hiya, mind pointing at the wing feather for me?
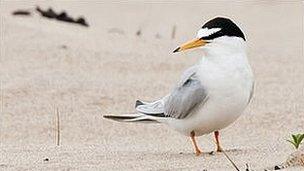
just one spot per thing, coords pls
(185, 97)
(188, 94)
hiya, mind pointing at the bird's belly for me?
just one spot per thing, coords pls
(215, 114)
(216, 119)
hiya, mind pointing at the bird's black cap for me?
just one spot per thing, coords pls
(228, 28)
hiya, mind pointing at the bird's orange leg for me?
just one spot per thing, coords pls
(218, 146)
(197, 150)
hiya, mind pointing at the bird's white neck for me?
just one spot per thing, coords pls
(224, 46)
(226, 50)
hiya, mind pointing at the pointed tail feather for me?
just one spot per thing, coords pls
(131, 118)
(139, 103)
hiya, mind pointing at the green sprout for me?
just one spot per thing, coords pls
(296, 140)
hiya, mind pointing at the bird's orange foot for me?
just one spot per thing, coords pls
(198, 152)
(219, 149)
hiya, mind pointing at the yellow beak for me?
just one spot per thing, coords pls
(191, 44)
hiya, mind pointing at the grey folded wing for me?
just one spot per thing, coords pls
(188, 94)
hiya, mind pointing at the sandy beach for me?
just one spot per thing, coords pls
(125, 55)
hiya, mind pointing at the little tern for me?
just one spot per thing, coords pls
(211, 94)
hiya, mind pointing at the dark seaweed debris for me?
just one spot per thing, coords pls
(48, 13)
(62, 16)
(82, 21)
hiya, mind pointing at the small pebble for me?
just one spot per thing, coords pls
(138, 33)
(63, 47)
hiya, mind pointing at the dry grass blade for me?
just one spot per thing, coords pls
(2, 99)
(2, 105)
(229, 159)
(173, 32)
(58, 127)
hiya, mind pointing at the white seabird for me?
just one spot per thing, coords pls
(210, 95)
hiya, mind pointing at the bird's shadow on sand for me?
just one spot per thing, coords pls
(191, 154)
(213, 153)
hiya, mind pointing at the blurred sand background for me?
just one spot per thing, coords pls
(88, 72)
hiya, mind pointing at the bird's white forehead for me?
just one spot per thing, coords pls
(206, 32)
